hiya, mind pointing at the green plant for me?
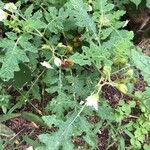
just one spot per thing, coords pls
(4, 100)
(137, 2)
(69, 52)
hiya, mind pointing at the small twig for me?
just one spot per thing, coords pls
(144, 23)
(110, 145)
(26, 100)
(126, 67)
(13, 137)
(131, 116)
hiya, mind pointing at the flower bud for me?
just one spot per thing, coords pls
(46, 64)
(45, 46)
(57, 61)
(104, 21)
(90, 8)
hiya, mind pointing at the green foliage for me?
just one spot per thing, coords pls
(4, 99)
(79, 11)
(142, 62)
(13, 54)
(5, 131)
(124, 110)
(59, 56)
(14, 49)
(55, 19)
(137, 2)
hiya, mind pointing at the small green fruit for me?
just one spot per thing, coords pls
(119, 61)
(122, 87)
(130, 73)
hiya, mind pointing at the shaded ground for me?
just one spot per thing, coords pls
(22, 128)
(102, 139)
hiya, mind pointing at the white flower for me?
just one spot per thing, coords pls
(30, 148)
(10, 7)
(92, 100)
(46, 64)
(57, 61)
(3, 15)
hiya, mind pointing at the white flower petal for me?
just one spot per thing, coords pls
(92, 101)
(57, 61)
(3, 15)
(10, 7)
(46, 64)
